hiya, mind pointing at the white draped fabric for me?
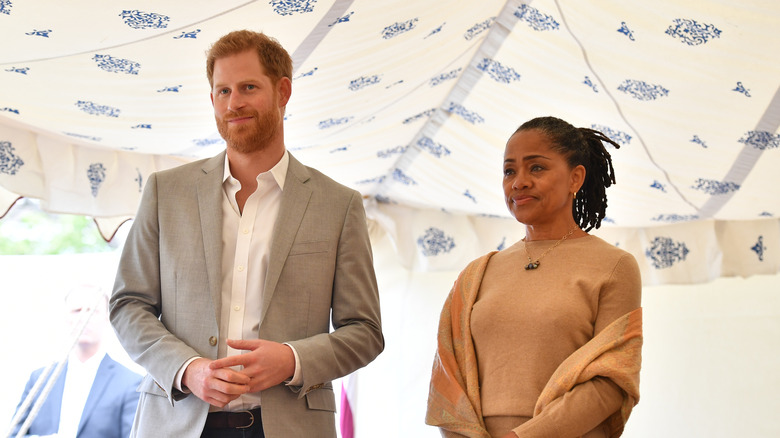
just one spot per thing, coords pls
(411, 103)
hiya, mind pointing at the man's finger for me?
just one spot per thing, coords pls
(227, 391)
(244, 344)
(231, 376)
(227, 362)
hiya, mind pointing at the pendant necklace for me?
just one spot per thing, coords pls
(535, 264)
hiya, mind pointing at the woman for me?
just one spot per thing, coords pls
(543, 339)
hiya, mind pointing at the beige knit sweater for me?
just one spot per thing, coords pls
(526, 322)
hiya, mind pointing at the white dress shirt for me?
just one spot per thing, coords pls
(78, 382)
(246, 247)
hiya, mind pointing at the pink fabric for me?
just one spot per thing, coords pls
(347, 422)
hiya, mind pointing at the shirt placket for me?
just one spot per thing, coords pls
(240, 269)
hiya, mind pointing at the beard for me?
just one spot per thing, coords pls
(253, 136)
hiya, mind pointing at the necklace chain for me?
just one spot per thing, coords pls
(535, 264)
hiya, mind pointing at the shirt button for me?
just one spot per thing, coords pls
(246, 231)
(240, 269)
(237, 308)
(213, 341)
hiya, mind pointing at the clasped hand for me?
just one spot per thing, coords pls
(265, 364)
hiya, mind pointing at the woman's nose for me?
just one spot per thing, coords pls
(519, 181)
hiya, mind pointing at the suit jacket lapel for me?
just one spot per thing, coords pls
(295, 198)
(99, 386)
(210, 209)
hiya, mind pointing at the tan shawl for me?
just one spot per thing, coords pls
(453, 398)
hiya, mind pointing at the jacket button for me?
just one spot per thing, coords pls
(213, 341)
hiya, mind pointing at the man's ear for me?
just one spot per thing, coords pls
(284, 87)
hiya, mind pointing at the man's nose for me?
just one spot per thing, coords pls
(235, 101)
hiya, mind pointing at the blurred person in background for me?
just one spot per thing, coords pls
(94, 396)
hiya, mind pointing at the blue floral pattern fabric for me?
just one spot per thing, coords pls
(411, 103)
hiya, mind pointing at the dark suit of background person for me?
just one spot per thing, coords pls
(168, 297)
(112, 400)
(109, 409)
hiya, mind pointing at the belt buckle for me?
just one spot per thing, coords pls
(251, 420)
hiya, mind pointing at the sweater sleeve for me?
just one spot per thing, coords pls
(579, 411)
(588, 404)
(620, 293)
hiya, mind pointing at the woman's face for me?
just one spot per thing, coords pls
(538, 182)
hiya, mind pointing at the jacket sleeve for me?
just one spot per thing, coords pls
(136, 305)
(357, 336)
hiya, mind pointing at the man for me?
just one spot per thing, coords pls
(233, 266)
(94, 396)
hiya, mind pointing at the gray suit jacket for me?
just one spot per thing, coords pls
(166, 302)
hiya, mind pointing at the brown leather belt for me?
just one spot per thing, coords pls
(233, 420)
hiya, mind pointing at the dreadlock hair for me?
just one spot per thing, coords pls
(586, 147)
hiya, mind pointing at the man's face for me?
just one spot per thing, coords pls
(82, 301)
(248, 105)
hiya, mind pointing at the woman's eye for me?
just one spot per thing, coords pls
(250, 87)
(536, 168)
(508, 172)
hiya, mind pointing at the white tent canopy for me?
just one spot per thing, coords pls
(411, 103)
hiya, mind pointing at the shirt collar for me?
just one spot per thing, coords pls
(279, 171)
(90, 364)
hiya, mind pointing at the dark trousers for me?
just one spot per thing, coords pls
(233, 433)
(246, 424)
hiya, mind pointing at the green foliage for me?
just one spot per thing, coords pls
(28, 230)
